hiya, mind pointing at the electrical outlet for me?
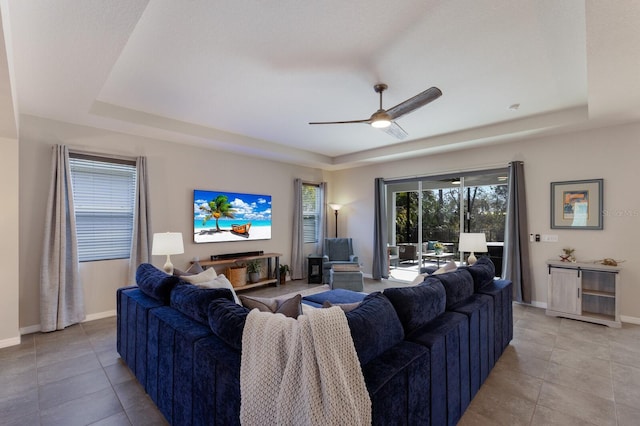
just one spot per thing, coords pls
(549, 238)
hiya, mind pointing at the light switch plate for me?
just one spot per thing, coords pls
(549, 238)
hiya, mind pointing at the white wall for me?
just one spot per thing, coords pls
(609, 153)
(9, 218)
(174, 172)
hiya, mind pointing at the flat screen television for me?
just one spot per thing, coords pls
(230, 216)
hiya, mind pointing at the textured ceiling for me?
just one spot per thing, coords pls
(247, 76)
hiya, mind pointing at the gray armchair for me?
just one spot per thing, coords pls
(336, 251)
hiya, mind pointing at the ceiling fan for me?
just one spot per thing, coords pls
(385, 119)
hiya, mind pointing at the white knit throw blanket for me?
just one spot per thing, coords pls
(301, 372)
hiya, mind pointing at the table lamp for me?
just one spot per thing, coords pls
(167, 243)
(470, 242)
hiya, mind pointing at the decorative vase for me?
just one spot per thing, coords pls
(254, 277)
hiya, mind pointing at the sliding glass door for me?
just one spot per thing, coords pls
(424, 211)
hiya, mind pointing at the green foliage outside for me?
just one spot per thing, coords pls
(441, 213)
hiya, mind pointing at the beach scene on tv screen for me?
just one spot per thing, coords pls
(230, 216)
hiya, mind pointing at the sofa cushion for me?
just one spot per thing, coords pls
(226, 320)
(483, 272)
(193, 301)
(291, 307)
(374, 326)
(458, 285)
(347, 307)
(201, 277)
(416, 306)
(220, 281)
(155, 283)
(338, 295)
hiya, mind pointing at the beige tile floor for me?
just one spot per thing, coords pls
(554, 372)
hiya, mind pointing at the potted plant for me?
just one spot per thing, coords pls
(284, 269)
(254, 267)
(438, 247)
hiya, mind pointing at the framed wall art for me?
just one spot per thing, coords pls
(577, 204)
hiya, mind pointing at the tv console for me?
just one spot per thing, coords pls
(272, 275)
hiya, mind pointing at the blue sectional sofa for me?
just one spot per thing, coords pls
(424, 350)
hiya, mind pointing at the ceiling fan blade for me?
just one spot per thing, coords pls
(414, 103)
(395, 130)
(368, 120)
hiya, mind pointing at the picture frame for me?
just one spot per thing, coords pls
(577, 204)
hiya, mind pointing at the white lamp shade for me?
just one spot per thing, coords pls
(335, 206)
(167, 243)
(472, 242)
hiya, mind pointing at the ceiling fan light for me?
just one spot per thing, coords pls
(380, 119)
(381, 124)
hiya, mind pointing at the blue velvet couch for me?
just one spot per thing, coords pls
(424, 350)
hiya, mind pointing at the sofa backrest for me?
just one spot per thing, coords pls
(375, 327)
(155, 283)
(483, 272)
(226, 319)
(194, 301)
(457, 284)
(417, 305)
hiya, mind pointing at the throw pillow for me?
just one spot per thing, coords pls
(179, 273)
(288, 307)
(449, 267)
(219, 281)
(421, 277)
(346, 307)
(202, 277)
(195, 268)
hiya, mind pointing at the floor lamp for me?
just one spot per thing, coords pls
(335, 208)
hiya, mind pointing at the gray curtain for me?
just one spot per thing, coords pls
(61, 297)
(141, 238)
(322, 231)
(297, 244)
(380, 256)
(516, 243)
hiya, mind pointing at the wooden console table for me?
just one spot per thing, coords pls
(273, 274)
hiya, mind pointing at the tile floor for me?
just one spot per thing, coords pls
(554, 372)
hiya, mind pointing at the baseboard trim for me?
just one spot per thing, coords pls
(100, 315)
(91, 317)
(30, 329)
(630, 320)
(11, 341)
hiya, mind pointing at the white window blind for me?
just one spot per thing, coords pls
(104, 198)
(310, 212)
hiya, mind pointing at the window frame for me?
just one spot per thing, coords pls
(313, 216)
(104, 224)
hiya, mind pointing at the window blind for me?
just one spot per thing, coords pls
(104, 201)
(310, 212)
